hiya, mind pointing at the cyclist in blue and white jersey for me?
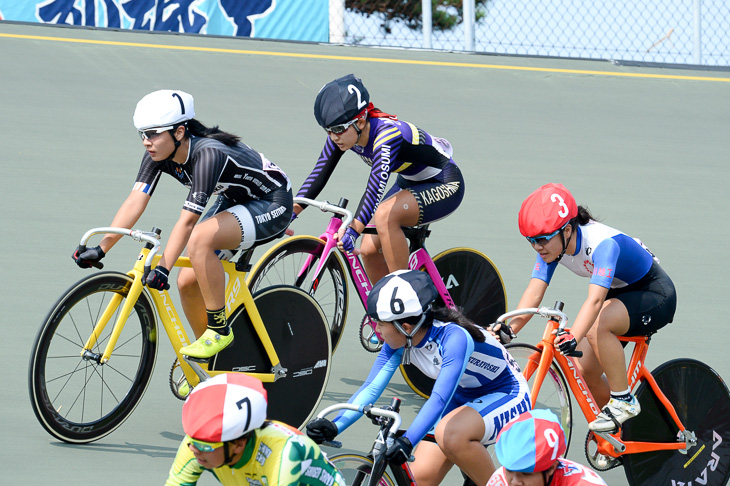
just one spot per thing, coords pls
(478, 387)
(254, 205)
(629, 294)
(429, 186)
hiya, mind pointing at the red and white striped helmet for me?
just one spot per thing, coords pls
(224, 408)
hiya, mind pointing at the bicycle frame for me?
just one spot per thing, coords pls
(607, 444)
(390, 422)
(419, 259)
(237, 294)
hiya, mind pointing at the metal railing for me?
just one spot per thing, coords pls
(693, 32)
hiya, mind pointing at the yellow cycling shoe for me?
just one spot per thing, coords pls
(207, 345)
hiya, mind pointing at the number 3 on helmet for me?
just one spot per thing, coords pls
(546, 210)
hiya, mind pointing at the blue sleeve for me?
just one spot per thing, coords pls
(457, 347)
(605, 257)
(380, 374)
(544, 271)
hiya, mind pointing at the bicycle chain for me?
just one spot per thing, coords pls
(611, 462)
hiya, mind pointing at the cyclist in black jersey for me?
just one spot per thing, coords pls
(254, 205)
(429, 185)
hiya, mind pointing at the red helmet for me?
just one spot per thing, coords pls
(547, 210)
(224, 408)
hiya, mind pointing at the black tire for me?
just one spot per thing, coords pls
(356, 470)
(476, 287)
(281, 265)
(79, 400)
(554, 393)
(299, 333)
(702, 402)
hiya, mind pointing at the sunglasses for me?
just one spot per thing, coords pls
(542, 240)
(339, 129)
(204, 446)
(153, 132)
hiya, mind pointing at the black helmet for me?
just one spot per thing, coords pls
(340, 101)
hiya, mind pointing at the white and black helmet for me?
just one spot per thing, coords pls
(341, 101)
(400, 295)
(164, 108)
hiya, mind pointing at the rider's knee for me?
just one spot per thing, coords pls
(186, 280)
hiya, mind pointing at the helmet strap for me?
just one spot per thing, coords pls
(548, 479)
(406, 358)
(226, 454)
(176, 141)
(562, 238)
(359, 132)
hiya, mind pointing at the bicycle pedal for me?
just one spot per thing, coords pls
(196, 360)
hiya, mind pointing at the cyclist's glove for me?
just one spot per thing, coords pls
(399, 452)
(88, 258)
(157, 278)
(504, 332)
(349, 239)
(566, 343)
(321, 430)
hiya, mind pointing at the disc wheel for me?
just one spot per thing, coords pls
(300, 336)
(702, 402)
(76, 398)
(293, 262)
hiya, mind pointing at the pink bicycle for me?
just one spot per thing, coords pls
(464, 277)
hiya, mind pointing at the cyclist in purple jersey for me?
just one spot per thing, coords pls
(254, 205)
(629, 294)
(478, 387)
(429, 186)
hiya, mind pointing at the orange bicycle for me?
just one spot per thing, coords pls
(681, 437)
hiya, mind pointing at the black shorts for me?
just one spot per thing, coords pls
(651, 302)
(261, 220)
(437, 197)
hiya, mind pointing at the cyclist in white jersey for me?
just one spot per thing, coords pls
(478, 387)
(629, 294)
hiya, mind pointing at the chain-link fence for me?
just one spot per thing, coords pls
(659, 31)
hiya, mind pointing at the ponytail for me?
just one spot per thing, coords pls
(377, 113)
(199, 130)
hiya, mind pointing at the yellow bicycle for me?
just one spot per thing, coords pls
(93, 357)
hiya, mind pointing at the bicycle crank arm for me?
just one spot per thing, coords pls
(202, 374)
(618, 446)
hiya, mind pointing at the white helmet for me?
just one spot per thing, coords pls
(163, 108)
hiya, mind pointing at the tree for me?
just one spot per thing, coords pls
(446, 14)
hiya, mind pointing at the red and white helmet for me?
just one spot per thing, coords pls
(546, 210)
(224, 407)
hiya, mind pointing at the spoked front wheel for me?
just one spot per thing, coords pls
(554, 394)
(298, 331)
(77, 399)
(356, 470)
(287, 264)
(476, 287)
(702, 402)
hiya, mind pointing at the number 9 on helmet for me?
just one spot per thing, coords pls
(224, 407)
(531, 443)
